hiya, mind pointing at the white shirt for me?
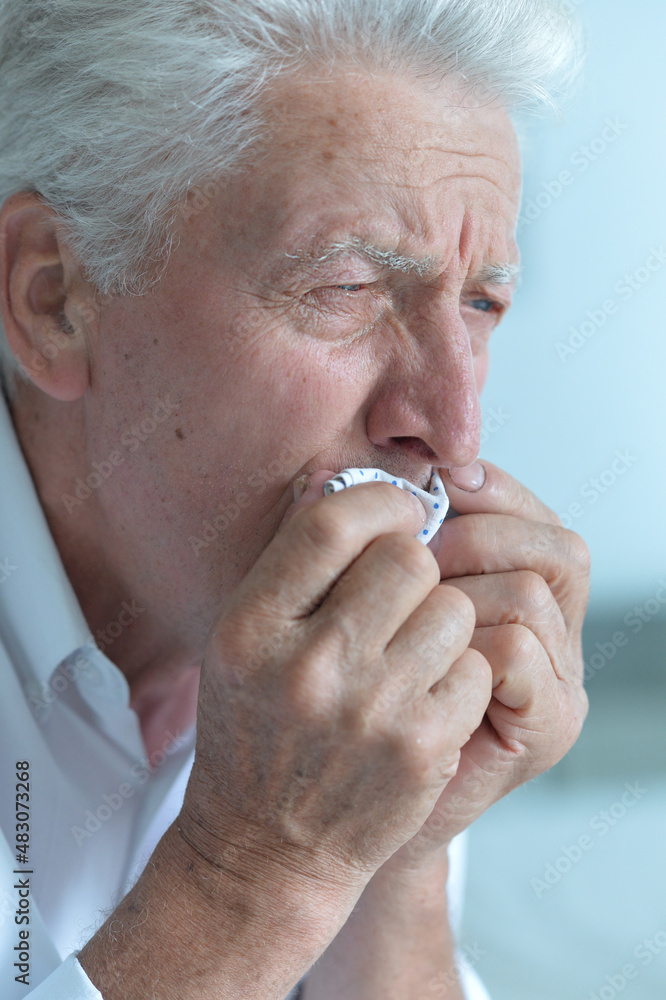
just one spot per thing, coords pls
(96, 805)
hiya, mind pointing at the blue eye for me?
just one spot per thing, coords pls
(483, 305)
(349, 288)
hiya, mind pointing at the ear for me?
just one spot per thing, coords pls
(48, 310)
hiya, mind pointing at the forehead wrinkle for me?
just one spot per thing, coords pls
(419, 161)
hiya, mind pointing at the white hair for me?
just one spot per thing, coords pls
(113, 110)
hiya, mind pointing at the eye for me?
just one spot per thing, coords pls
(349, 288)
(483, 305)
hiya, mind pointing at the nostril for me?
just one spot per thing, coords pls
(418, 447)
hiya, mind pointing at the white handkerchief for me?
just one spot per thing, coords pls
(434, 499)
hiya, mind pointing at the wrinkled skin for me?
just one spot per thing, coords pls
(273, 368)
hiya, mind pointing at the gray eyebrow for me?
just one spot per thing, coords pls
(494, 274)
(499, 274)
(391, 259)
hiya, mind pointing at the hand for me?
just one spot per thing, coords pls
(302, 771)
(528, 578)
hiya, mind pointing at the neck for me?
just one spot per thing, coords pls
(162, 673)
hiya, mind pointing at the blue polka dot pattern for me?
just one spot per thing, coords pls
(435, 509)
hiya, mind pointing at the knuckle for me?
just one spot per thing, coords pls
(566, 717)
(458, 606)
(341, 639)
(519, 644)
(520, 500)
(247, 646)
(533, 593)
(313, 686)
(573, 713)
(451, 627)
(579, 552)
(477, 532)
(475, 673)
(477, 670)
(372, 714)
(419, 751)
(411, 747)
(233, 636)
(549, 538)
(324, 526)
(408, 555)
(583, 708)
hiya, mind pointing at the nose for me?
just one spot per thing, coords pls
(427, 400)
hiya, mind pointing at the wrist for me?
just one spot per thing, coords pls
(190, 929)
(397, 942)
(254, 846)
(412, 885)
(267, 887)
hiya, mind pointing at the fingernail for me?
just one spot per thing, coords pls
(301, 484)
(470, 479)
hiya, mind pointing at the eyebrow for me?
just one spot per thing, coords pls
(499, 274)
(492, 274)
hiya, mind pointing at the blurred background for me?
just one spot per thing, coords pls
(567, 878)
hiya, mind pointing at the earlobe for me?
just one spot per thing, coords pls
(42, 298)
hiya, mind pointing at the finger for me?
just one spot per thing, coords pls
(497, 543)
(434, 637)
(500, 493)
(527, 697)
(463, 695)
(522, 598)
(375, 596)
(451, 711)
(297, 569)
(521, 669)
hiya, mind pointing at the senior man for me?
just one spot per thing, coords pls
(245, 245)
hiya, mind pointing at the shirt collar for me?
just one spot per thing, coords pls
(41, 622)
